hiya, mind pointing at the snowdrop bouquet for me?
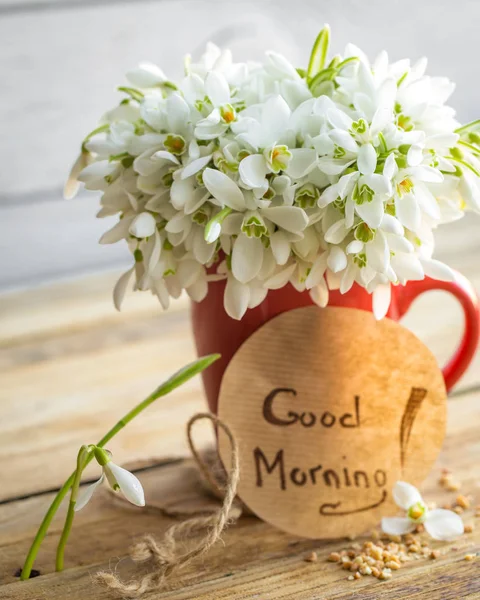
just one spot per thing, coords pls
(263, 174)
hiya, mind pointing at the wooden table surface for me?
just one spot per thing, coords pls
(71, 366)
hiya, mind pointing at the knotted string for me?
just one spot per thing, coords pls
(167, 556)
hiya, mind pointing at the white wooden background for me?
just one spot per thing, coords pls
(61, 60)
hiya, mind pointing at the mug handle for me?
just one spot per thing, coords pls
(464, 292)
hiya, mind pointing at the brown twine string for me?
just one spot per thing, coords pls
(167, 556)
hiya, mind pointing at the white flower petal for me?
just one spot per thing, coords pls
(378, 253)
(390, 167)
(407, 266)
(195, 166)
(146, 75)
(178, 113)
(281, 278)
(252, 170)
(408, 212)
(247, 258)
(281, 66)
(86, 494)
(302, 162)
(339, 119)
(216, 88)
(223, 189)
(143, 225)
(336, 233)
(118, 232)
(415, 155)
(381, 298)
(425, 173)
(275, 117)
(343, 139)
(198, 290)
(319, 294)
(367, 159)
(437, 270)
(354, 247)
(443, 525)
(236, 298)
(290, 218)
(121, 287)
(392, 225)
(397, 525)
(129, 485)
(280, 247)
(337, 259)
(427, 201)
(371, 212)
(405, 495)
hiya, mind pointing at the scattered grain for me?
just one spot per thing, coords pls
(453, 486)
(357, 575)
(385, 574)
(312, 557)
(350, 578)
(463, 501)
(469, 528)
(469, 557)
(334, 557)
(458, 510)
(434, 554)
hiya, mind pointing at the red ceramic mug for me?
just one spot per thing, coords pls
(215, 331)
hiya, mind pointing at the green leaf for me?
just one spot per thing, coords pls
(132, 92)
(321, 77)
(468, 126)
(318, 56)
(183, 375)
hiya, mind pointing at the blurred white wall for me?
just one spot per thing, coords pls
(61, 61)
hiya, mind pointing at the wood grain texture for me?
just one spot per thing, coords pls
(256, 560)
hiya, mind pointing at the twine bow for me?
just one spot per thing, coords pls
(176, 551)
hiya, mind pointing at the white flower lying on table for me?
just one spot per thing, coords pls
(118, 478)
(440, 524)
(266, 175)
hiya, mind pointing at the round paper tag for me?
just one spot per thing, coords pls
(330, 408)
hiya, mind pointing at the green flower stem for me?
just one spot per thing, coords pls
(179, 378)
(468, 126)
(81, 463)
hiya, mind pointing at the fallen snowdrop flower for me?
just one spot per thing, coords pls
(117, 477)
(440, 524)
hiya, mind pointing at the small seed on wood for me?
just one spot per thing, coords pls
(334, 557)
(312, 557)
(463, 501)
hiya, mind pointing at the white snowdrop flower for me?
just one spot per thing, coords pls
(440, 524)
(146, 75)
(266, 175)
(118, 478)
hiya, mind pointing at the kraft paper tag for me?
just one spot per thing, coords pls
(330, 408)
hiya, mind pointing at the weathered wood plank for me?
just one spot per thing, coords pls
(255, 560)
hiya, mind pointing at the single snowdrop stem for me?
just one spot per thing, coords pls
(86, 454)
(82, 457)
